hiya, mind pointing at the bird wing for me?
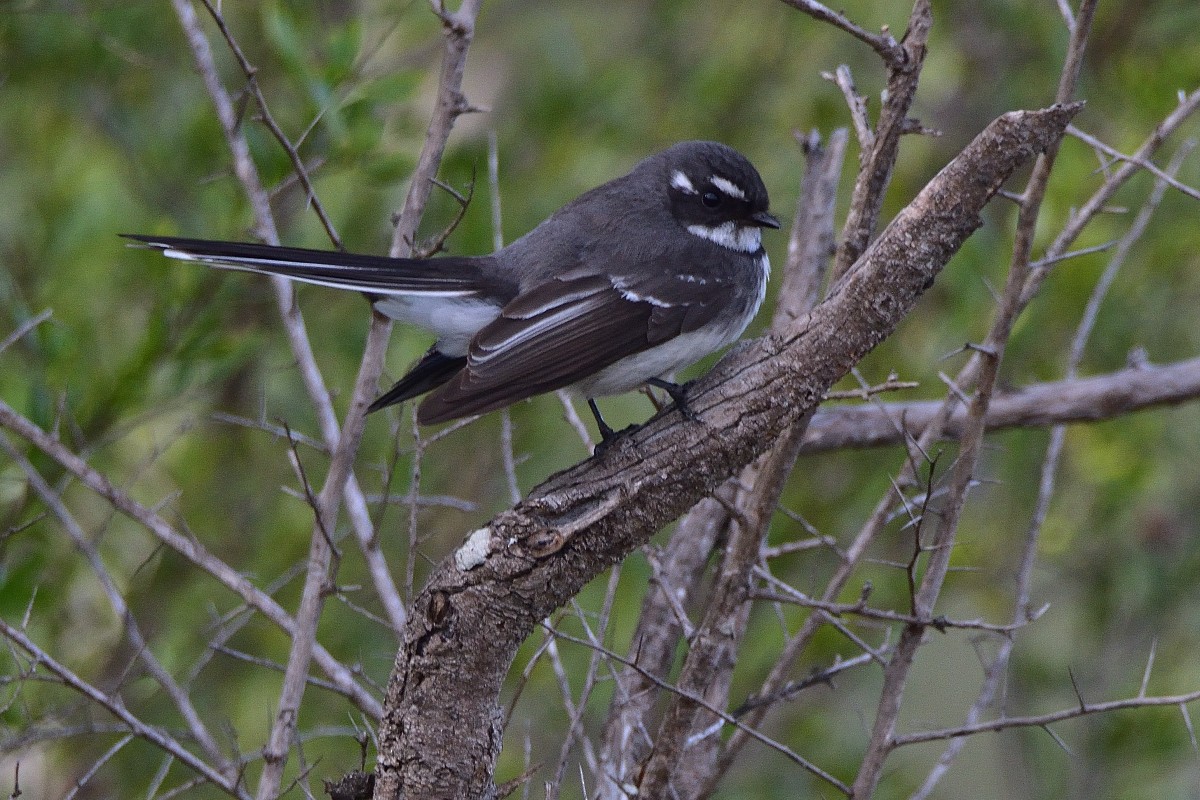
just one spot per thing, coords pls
(441, 277)
(562, 331)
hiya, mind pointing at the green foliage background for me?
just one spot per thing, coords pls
(105, 128)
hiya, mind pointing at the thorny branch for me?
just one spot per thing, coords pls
(115, 706)
(1042, 720)
(342, 443)
(941, 547)
(1022, 607)
(186, 546)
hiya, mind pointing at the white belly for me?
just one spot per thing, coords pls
(633, 371)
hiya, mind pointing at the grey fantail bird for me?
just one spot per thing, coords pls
(629, 282)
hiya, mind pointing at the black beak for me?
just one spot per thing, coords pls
(764, 219)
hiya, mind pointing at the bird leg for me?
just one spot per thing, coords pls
(678, 393)
(607, 434)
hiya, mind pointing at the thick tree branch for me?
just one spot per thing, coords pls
(483, 601)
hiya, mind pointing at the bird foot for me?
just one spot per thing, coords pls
(678, 394)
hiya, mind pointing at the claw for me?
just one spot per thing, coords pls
(678, 393)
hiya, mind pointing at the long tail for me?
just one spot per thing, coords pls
(441, 277)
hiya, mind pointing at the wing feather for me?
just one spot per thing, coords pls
(560, 333)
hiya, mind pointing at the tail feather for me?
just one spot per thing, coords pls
(441, 277)
(434, 369)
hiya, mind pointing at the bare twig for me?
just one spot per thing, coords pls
(876, 164)
(274, 429)
(895, 675)
(298, 167)
(856, 105)
(186, 546)
(940, 624)
(506, 426)
(884, 44)
(83, 779)
(1041, 720)
(434, 246)
(574, 420)
(137, 641)
(575, 729)
(1164, 176)
(114, 706)
(24, 328)
(266, 663)
(867, 392)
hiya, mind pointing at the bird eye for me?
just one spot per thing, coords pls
(710, 199)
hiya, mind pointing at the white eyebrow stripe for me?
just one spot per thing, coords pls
(681, 182)
(728, 187)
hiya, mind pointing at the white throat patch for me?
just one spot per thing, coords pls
(743, 239)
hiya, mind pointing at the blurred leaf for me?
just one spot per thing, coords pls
(341, 51)
(283, 33)
(393, 88)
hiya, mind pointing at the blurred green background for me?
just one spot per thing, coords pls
(105, 128)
